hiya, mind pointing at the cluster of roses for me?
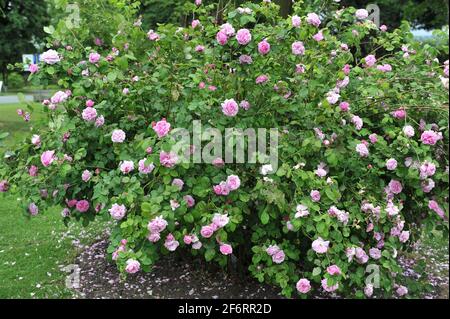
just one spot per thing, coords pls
(218, 221)
(225, 187)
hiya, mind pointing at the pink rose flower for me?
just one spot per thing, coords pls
(391, 164)
(264, 47)
(318, 36)
(320, 246)
(220, 220)
(329, 288)
(86, 175)
(226, 249)
(206, 231)
(168, 159)
(132, 266)
(303, 286)
(117, 211)
(89, 114)
(344, 106)
(126, 167)
(221, 38)
(189, 200)
(33, 68)
(145, 169)
(162, 128)
(278, 257)
(433, 205)
(118, 136)
(408, 130)
(157, 225)
(94, 57)
(171, 243)
(298, 48)
(315, 195)
(33, 209)
(233, 182)
(59, 97)
(430, 137)
(334, 270)
(395, 186)
(50, 57)
(361, 14)
(82, 206)
(47, 158)
(36, 140)
(230, 107)
(362, 150)
(313, 19)
(370, 60)
(90, 103)
(243, 36)
(296, 21)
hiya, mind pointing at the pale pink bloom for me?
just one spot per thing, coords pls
(427, 169)
(296, 21)
(272, 250)
(433, 205)
(301, 211)
(245, 59)
(233, 182)
(313, 19)
(198, 2)
(222, 189)
(161, 128)
(370, 60)
(171, 244)
(333, 97)
(262, 79)
(278, 257)
(220, 220)
(361, 14)
(401, 291)
(190, 201)
(395, 186)
(368, 290)
(303, 286)
(174, 204)
(334, 270)
(358, 122)
(243, 36)
(221, 38)
(86, 175)
(298, 48)
(362, 150)
(90, 103)
(126, 91)
(178, 183)
(344, 106)
(428, 185)
(375, 253)
(33, 171)
(399, 114)
(154, 237)
(430, 137)
(118, 136)
(329, 288)
(168, 159)
(206, 231)
(315, 195)
(126, 167)
(346, 69)
(320, 246)
(94, 57)
(59, 97)
(157, 225)
(152, 35)
(132, 266)
(36, 140)
(82, 206)
(226, 249)
(318, 36)
(350, 252)
(100, 121)
(361, 255)
(33, 68)
(408, 130)
(89, 114)
(199, 48)
(230, 107)
(47, 158)
(245, 105)
(197, 245)
(392, 209)
(33, 209)
(117, 211)
(50, 57)
(264, 47)
(384, 68)
(391, 164)
(404, 236)
(300, 69)
(383, 28)
(228, 29)
(195, 23)
(218, 162)
(343, 83)
(373, 138)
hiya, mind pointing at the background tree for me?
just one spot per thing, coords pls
(21, 29)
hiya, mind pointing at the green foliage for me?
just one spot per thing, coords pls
(16, 81)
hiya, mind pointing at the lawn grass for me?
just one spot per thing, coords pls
(15, 125)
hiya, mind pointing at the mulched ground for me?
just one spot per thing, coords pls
(171, 277)
(175, 278)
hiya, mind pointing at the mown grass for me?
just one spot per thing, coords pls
(34, 250)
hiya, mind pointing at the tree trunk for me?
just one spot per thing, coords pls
(286, 7)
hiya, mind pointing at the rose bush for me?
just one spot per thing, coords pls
(362, 114)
